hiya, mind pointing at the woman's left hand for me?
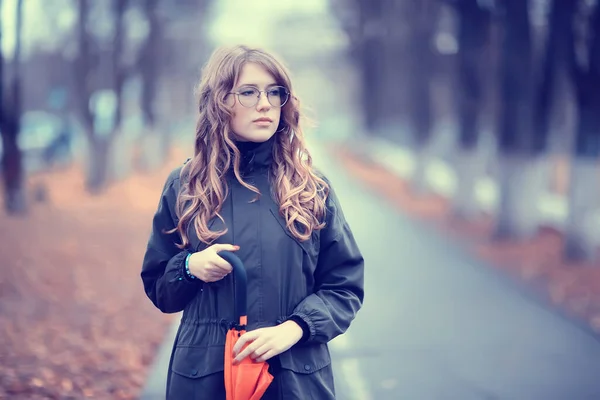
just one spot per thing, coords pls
(265, 343)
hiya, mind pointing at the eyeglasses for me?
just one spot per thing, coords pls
(249, 96)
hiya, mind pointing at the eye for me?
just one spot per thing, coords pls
(274, 92)
(247, 92)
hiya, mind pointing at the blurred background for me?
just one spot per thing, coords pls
(490, 106)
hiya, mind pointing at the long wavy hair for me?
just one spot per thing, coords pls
(296, 188)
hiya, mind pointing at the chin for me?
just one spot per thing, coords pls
(256, 137)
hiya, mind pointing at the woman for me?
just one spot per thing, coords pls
(251, 188)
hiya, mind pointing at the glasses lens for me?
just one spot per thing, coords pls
(277, 96)
(248, 97)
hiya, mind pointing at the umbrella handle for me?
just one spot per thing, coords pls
(240, 281)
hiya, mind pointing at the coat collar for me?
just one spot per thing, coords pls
(255, 155)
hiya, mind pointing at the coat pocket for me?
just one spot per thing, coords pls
(198, 362)
(305, 359)
(197, 373)
(306, 373)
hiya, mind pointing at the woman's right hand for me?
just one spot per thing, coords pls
(208, 266)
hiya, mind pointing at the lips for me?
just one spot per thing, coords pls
(263, 120)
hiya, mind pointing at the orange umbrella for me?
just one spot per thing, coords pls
(247, 380)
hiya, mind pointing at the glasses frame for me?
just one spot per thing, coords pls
(260, 92)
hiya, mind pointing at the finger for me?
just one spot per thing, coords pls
(260, 351)
(247, 337)
(266, 356)
(221, 265)
(218, 277)
(248, 351)
(251, 348)
(214, 271)
(211, 270)
(241, 342)
(211, 278)
(217, 247)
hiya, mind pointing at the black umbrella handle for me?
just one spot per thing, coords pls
(240, 280)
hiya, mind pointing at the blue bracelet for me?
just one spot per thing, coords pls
(187, 266)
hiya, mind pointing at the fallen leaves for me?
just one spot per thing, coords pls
(74, 319)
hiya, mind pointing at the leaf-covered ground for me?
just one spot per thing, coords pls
(74, 319)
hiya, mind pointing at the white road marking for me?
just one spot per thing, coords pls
(358, 388)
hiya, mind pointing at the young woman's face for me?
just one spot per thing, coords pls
(255, 122)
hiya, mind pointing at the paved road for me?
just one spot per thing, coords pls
(437, 324)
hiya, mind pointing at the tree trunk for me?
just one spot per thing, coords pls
(165, 145)
(521, 179)
(151, 142)
(98, 173)
(147, 64)
(580, 243)
(10, 116)
(392, 93)
(420, 71)
(473, 36)
(99, 157)
(519, 168)
(151, 151)
(119, 73)
(12, 169)
(469, 165)
(371, 57)
(558, 45)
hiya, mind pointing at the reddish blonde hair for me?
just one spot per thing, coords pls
(298, 190)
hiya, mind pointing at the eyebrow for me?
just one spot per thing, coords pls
(255, 85)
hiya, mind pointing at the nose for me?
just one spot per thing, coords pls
(263, 102)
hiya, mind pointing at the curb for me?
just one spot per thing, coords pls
(155, 387)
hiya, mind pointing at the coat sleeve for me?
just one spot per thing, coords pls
(339, 280)
(163, 268)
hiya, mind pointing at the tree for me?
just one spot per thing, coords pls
(584, 186)
(167, 69)
(10, 115)
(519, 145)
(370, 51)
(115, 74)
(422, 26)
(147, 63)
(366, 25)
(558, 50)
(474, 24)
(148, 67)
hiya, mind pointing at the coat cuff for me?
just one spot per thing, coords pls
(182, 274)
(303, 322)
